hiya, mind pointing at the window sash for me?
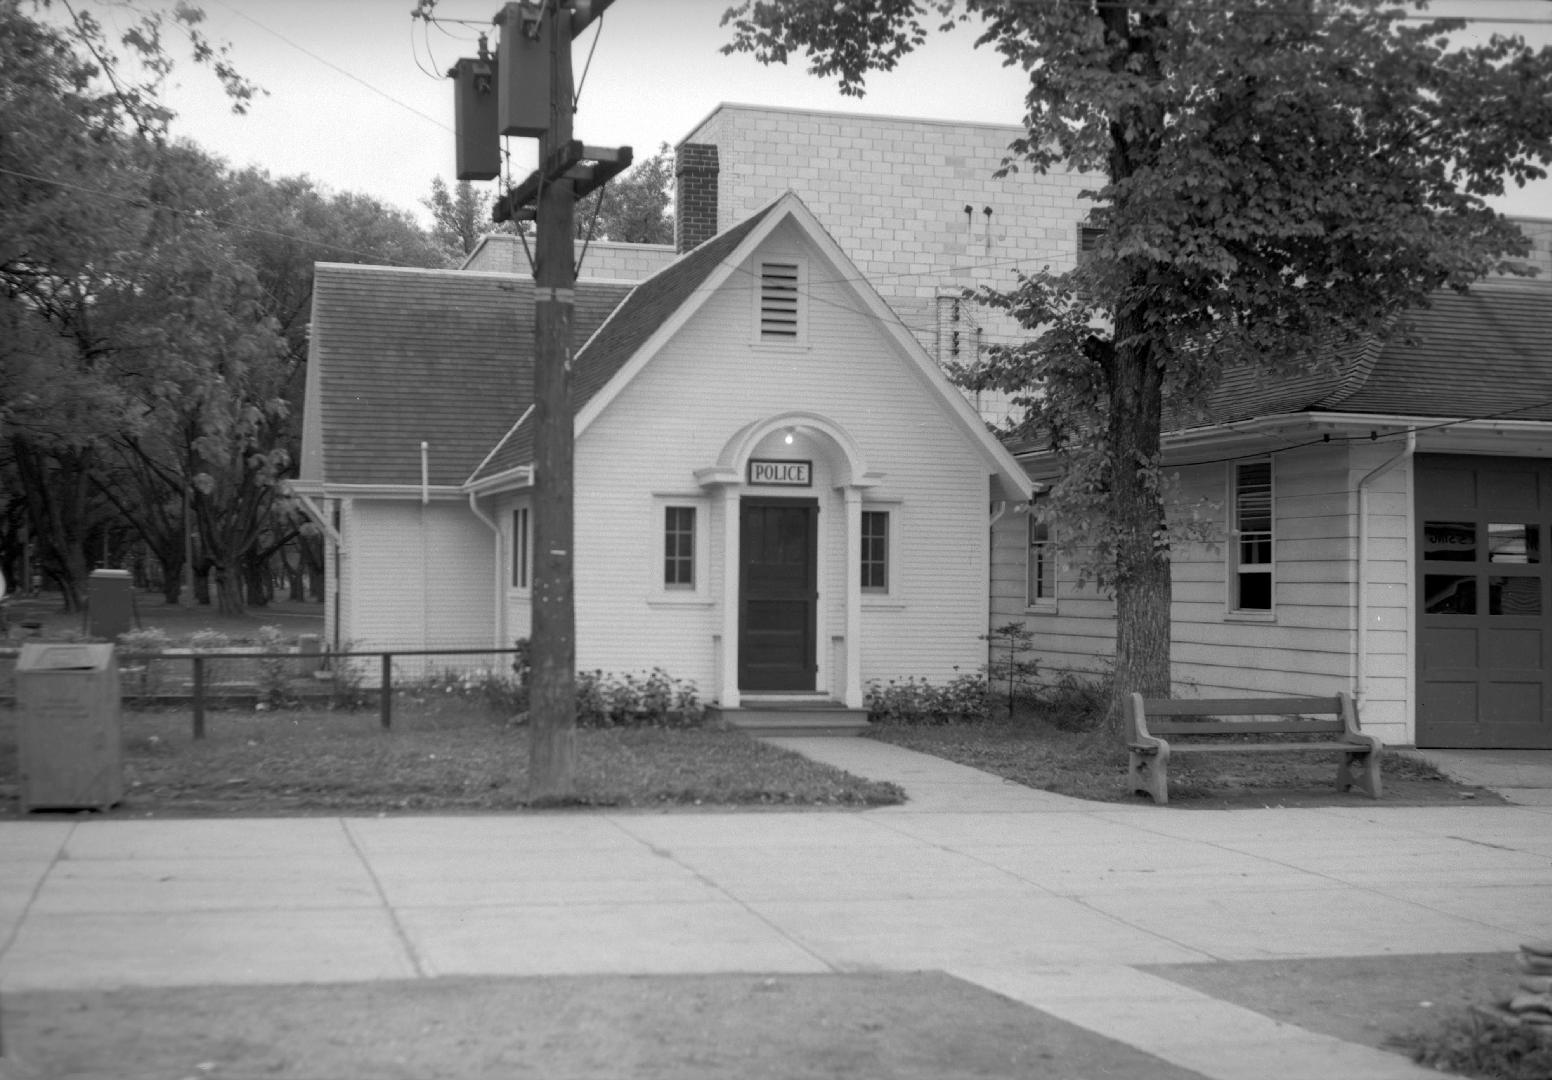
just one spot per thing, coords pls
(679, 547)
(1253, 550)
(1040, 569)
(521, 566)
(875, 551)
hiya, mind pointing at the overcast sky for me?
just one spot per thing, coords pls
(357, 99)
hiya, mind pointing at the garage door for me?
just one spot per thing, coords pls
(1484, 671)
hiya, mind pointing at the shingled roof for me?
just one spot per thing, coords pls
(1478, 355)
(402, 356)
(647, 308)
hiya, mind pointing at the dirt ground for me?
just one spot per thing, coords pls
(911, 1026)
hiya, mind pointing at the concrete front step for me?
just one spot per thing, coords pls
(797, 717)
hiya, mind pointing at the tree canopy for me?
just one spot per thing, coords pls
(153, 310)
(1283, 178)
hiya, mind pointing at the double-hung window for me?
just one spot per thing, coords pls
(522, 561)
(875, 551)
(678, 547)
(1252, 540)
(1040, 568)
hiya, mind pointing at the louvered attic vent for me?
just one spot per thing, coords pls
(779, 302)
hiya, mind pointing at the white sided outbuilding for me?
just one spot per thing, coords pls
(778, 492)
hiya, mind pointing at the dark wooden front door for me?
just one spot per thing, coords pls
(778, 594)
(1484, 529)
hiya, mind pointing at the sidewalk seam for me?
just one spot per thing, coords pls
(32, 897)
(382, 895)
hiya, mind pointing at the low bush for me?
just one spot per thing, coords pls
(963, 699)
(1473, 1044)
(653, 699)
(145, 677)
(1074, 701)
(274, 672)
(500, 693)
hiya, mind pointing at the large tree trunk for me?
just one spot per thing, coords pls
(1142, 587)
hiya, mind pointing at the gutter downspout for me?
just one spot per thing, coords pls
(1404, 454)
(499, 593)
(425, 551)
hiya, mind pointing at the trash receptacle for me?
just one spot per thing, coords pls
(110, 603)
(68, 733)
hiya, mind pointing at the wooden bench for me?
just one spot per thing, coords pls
(1150, 718)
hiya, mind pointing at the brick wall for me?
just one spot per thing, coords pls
(696, 217)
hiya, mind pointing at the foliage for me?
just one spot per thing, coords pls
(633, 208)
(153, 306)
(963, 699)
(145, 643)
(274, 678)
(1008, 663)
(652, 699)
(458, 218)
(1075, 701)
(499, 693)
(1471, 1044)
(1277, 183)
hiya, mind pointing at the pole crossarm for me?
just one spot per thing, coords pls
(588, 167)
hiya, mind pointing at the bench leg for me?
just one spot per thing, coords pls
(1361, 771)
(1149, 773)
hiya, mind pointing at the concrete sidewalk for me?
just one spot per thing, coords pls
(1049, 900)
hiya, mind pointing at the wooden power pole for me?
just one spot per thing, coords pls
(567, 170)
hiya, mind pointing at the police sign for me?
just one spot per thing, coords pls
(781, 473)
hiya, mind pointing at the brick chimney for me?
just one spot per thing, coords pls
(695, 195)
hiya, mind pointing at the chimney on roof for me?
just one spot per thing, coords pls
(695, 195)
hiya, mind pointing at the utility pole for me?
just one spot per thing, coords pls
(535, 63)
(552, 692)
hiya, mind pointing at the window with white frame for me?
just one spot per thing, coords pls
(781, 308)
(679, 547)
(522, 564)
(1040, 566)
(875, 551)
(1252, 540)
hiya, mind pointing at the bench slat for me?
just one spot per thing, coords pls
(1240, 706)
(1260, 748)
(1240, 727)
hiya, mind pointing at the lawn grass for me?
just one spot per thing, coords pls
(1033, 751)
(440, 756)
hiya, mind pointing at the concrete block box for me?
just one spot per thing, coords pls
(68, 730)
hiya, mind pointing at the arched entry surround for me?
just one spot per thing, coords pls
(839, 476)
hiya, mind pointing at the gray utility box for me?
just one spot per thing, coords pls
(110, 603)
(68, 732)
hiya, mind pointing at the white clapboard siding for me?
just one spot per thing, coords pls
(706, 384)
(425, 583)
(1308, 644)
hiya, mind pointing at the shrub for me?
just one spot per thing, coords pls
(147, 642)
(1008, 665)
(653, 699)
(274, 679)
(963, 699)
(498, 692)
(1076, 701)
(1477, 1045)
(347, 686)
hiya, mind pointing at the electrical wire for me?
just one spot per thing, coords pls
(333, 66)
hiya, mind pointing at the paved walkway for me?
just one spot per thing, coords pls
(1049, 900)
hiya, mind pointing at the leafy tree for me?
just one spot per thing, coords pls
(633, 208)
(1283, 177)
(458, 217)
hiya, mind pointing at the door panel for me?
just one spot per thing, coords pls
(1484, 651)
(778, 594)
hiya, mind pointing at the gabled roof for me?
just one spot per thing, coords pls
(659, 306)
(1478, 355)
(399, 356)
